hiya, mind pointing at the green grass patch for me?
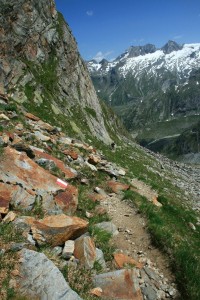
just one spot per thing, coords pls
(170, 231)
(102, 240)
(91, 112)
(8, 233)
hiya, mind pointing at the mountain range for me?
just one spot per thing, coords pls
(156, 92)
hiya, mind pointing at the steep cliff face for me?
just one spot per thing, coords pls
(41, 68)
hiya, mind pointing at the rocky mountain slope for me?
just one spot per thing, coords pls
(152, 89)
(41, 68)
(57, 195)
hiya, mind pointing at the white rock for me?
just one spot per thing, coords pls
(68, 248)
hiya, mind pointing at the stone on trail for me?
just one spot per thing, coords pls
(119, 285)
(149, 292)
(108, 226)
(41, 279)
(117, 186)
(121, 260)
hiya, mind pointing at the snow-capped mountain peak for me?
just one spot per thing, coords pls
(172, 57)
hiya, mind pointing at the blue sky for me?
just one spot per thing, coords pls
(104, 29)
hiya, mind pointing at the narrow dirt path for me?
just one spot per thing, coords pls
(133, 238)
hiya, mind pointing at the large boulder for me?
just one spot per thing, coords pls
(119, 285)
(68, 172)
(56, 230)
(40, 278)
(23, 180)
(16, 196)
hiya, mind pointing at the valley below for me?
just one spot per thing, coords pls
(155, 92)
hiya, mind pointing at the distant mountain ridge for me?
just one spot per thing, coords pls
(146, 86)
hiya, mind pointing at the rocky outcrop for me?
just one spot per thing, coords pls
(24, 183)
(40, 65)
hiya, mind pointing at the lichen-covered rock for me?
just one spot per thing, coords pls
(40, 278)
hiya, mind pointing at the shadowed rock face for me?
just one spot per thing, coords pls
(39, 62)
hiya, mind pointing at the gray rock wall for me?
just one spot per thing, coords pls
(39, 61)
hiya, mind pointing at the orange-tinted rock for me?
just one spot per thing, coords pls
(96, 197)
(69, 173)
(15, 195)
(94, 159)
(5, 197)
(156, 202)
(9, 217)
(57, 229)
(121, 260)
(96, 292)
(45, 126)
(85, 251)
(31, 117)
(72, 153)
(119, 285)
(10, 136)
(99, 210)
(68, 200)
(27, 179)
(117, 187)
(16, 167)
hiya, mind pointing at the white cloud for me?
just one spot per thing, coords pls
(89, 13)
(100, 55)
(178, 37)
